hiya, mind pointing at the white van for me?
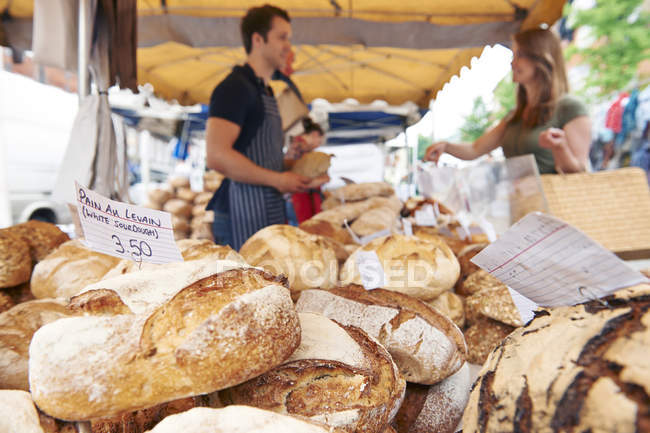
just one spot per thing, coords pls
(35, 124)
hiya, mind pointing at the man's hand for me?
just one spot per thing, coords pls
(291, 182)
(316, 182)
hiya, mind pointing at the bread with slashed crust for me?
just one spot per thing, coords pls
(15, 261)
(412, 266)
(328, 229)
(41, 237)
(426, 346)
(338, 376)
(215, 333)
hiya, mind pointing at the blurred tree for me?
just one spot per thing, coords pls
(476, 122)
(423, 143)
(504, 94)
(621, 30)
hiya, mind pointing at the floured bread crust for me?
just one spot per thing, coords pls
(426, 346)
(581, 368)
(359, 395)
(412, 266)
(17, 413)
(217, 332)
(238, 419)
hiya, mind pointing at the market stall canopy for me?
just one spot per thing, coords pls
(368, 50)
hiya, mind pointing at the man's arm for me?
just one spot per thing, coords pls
(221, 135)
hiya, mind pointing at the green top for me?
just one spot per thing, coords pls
(519, 140)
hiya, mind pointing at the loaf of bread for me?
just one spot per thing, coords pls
(437, 408)
(41, 237)
(346, 212)
(179, 182)
(305, 259)
(581, 368)
(360, 191)
(338, 376)
(178, 207)
(17, 413)
(451, 305)
(17, 326)
(141, 292)
(20, 293)
(15, 260)
(328, 229)
(68, 269)
(375, 220)
(202, 199)
(433, 234)
(215, 333)
(312, 164)
(159, 196)
(238, 419)
(495, 303)
(426, 346)
(411, 265)
(467, 268)
(483, 336)
(186, 194)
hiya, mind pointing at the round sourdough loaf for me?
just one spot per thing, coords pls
(237, 419)
(41, 237)
(68, 269)
(375, 220)
(426, 346)
(17, 326)
(360, 191)
(338, 375)
(328, 229)
(215, 333)
(412, 266)
(436, 408)
(17, 413)
(306, 260)
(583, 368)
(15, 261)
(312, 164)
(451, 305)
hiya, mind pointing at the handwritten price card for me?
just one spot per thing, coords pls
(126, 231)
(552, 263)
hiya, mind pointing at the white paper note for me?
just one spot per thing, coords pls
(425, 216)
(407, 225)
(548, 261)
(370, 268)
(126, 231)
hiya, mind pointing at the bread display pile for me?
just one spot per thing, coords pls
(583, 368)
(189, 217)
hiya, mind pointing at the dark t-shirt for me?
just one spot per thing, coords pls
(238, 98)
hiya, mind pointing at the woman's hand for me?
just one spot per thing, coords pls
(316, 182)
(552, 138)
(434, 151)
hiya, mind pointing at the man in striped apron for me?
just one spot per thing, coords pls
(244, 134)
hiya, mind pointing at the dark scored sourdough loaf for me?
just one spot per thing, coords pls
(584, 368)
(338, 375)
(217, 332)
(426, 346)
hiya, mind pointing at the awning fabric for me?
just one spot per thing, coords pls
(390, 50)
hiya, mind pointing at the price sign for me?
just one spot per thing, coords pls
(126, 231)
(370, 268)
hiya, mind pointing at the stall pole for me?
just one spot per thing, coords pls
(83, 78)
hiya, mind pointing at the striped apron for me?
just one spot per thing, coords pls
(253, 207)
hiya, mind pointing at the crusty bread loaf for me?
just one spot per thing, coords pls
(581, 368)
(375, 220)
(179, 182)
(328, 229)
(477, 281)
(17, 326)
(412, 266)
(346, 212)
(466, 266)
(305, 259)
(338, 376)
(433, 234)
(237, 419)
(186, 194)
(15, 260)
(390, 201)
(202, 199)
(178, 207)
(5, 302)
(312, 164)
(17, 413)
(483, 336)
(68, 269)
(142, 292)
(360, 191)
(451, 305)
(41, 237)
(495, 303)
(217, 332)
(159, 196)
(426, 346)
(436, 408)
